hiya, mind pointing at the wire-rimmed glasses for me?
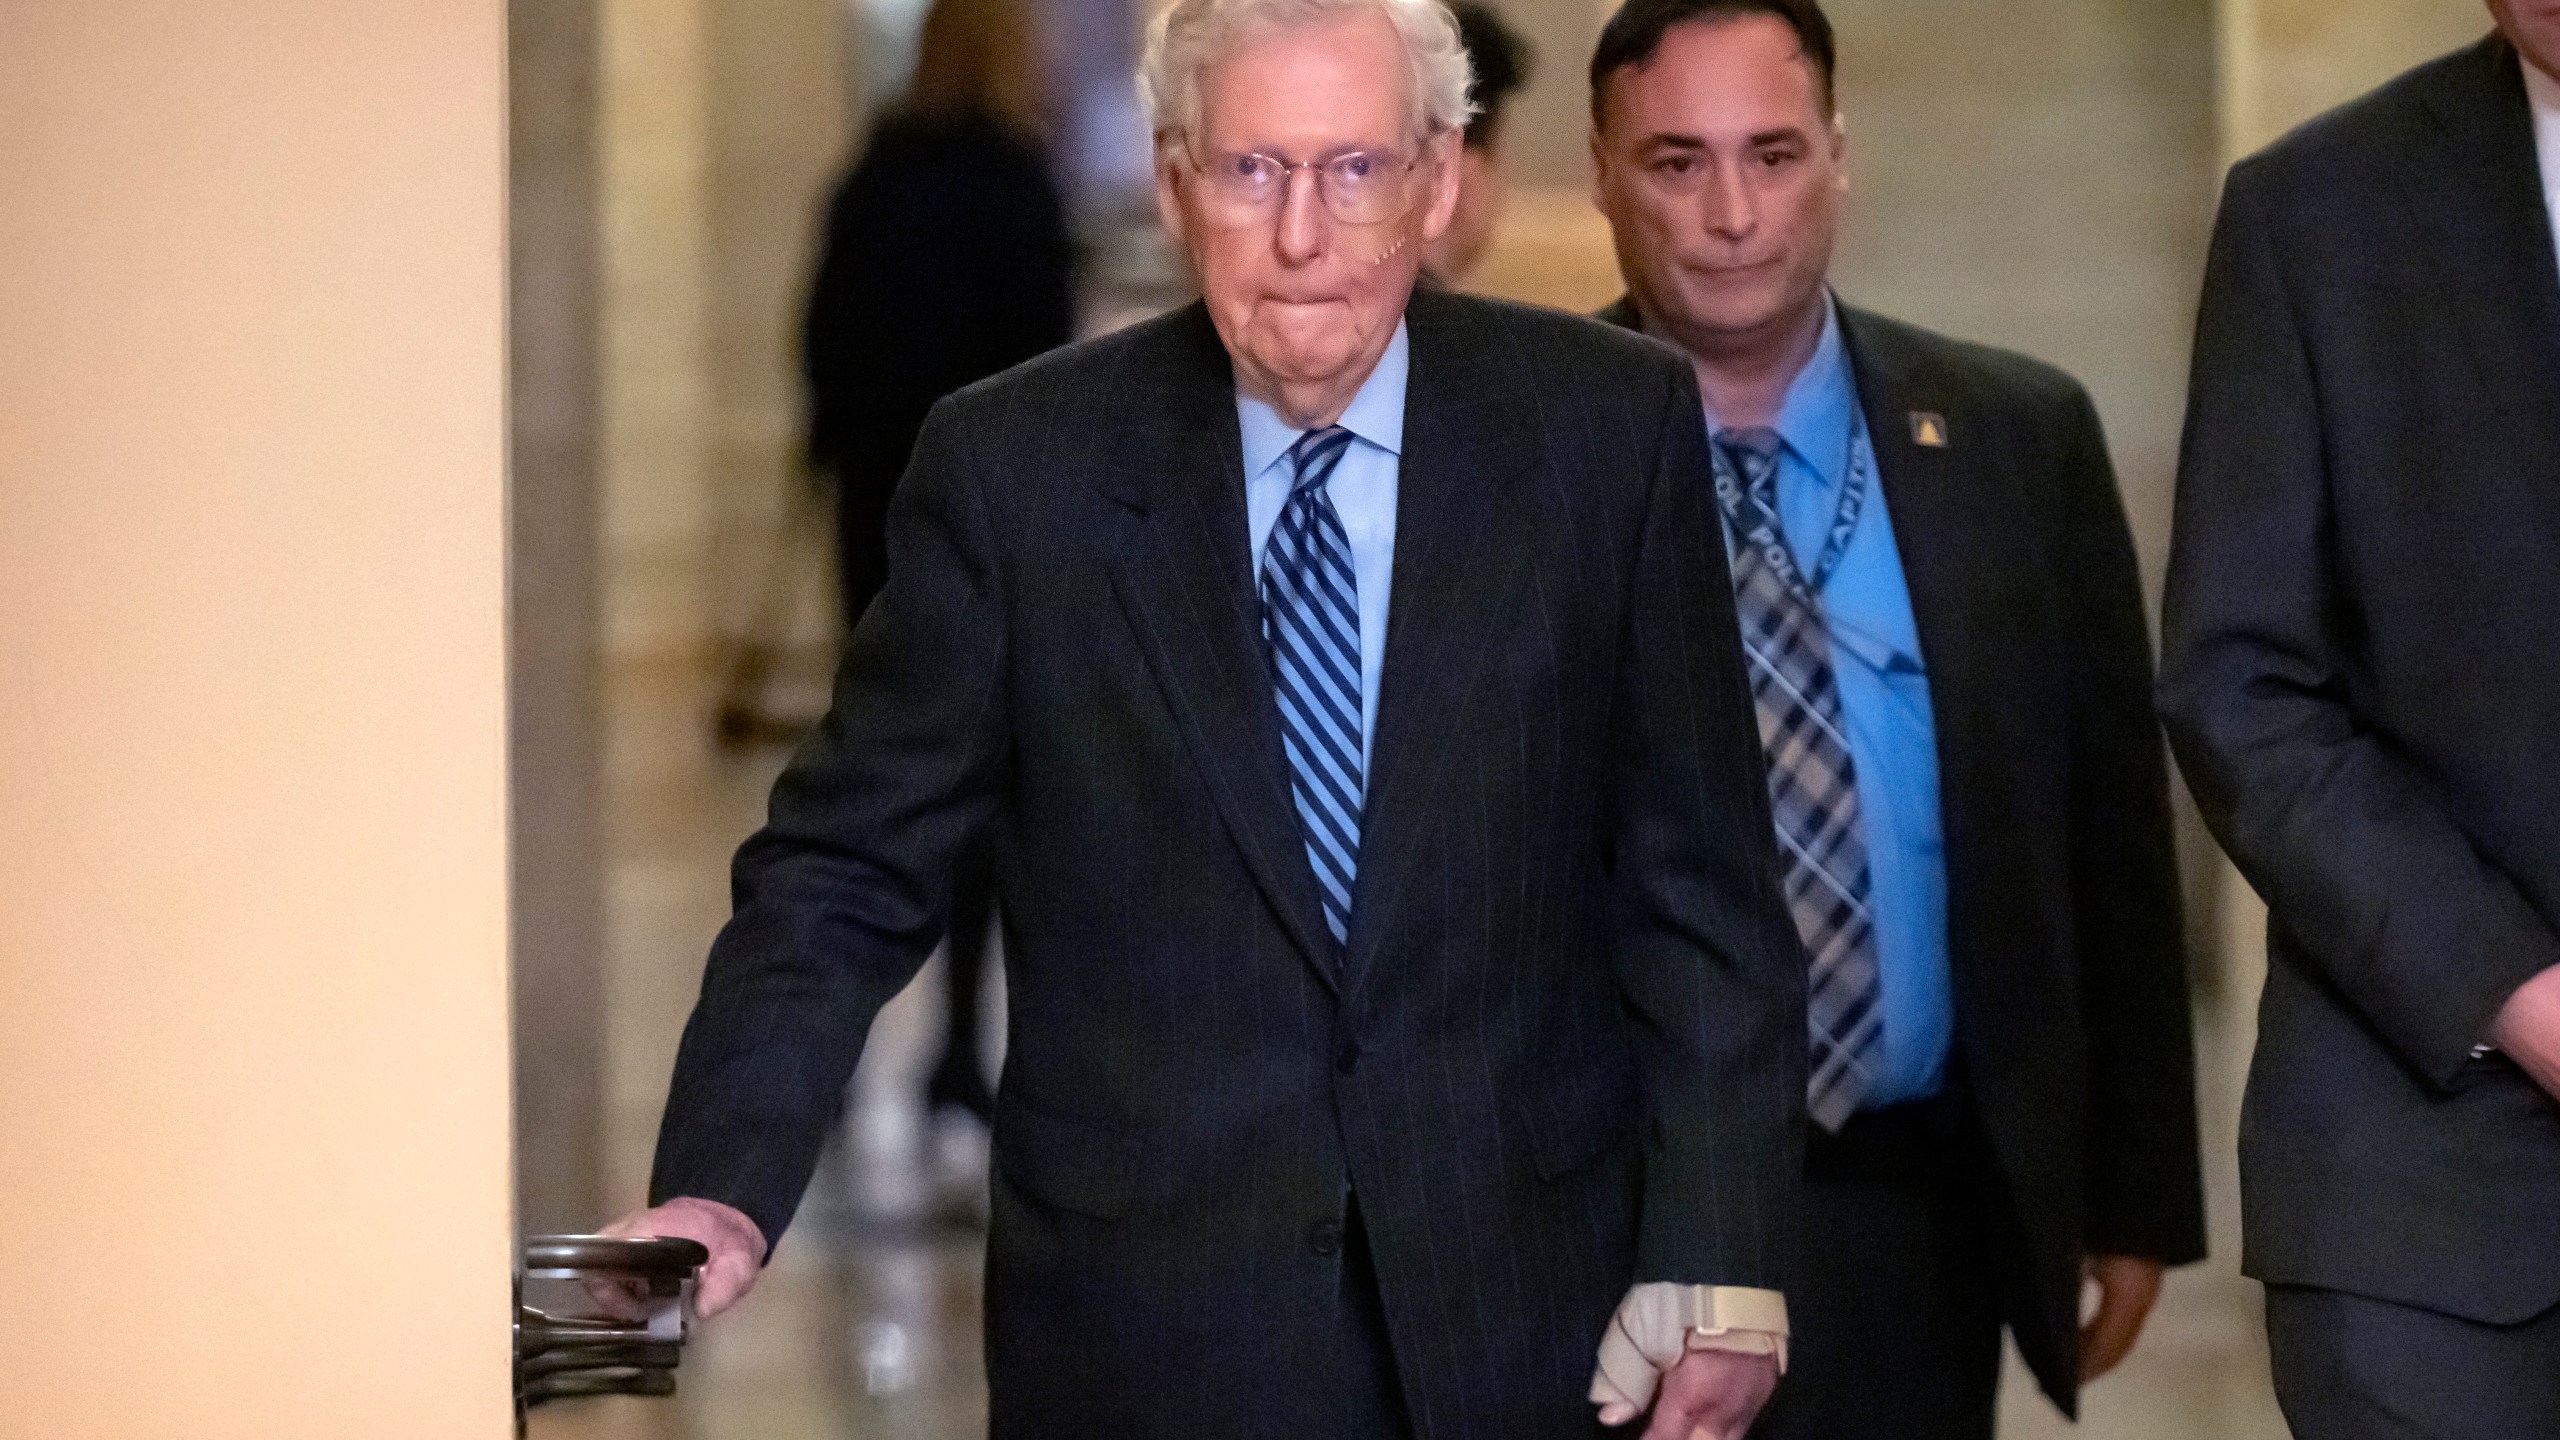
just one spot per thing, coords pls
(1359, 187)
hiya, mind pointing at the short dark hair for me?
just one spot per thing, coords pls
(1633, 35)
(1498, 63)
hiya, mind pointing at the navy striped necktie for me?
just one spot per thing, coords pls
(1311, 632)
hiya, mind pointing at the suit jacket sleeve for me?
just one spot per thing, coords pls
(1712, 972)
(841, 896)
(2356, 851)
(2144, 1184)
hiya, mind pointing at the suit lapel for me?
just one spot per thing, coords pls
(2475, 193)
(1942, 503)
(1462, 551)
(1183, 575)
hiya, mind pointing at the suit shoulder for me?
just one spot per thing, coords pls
(1982, 374)
(1554, 347)
(2377, 124)
(1100, 366)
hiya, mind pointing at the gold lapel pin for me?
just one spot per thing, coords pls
(1929, 428)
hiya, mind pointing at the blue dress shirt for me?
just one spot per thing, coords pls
(1363, 488)
(1884, 699)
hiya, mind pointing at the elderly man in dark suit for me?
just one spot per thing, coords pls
(1938, 595)
(2363, 683)
(1402, 983)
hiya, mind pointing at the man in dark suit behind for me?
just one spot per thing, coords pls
(1398, 986)
(1939, 597)
(2362, 683)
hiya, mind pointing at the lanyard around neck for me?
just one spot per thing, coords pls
(1755, 520)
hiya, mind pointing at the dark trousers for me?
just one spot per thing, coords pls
(1895, 1308)
(2350, 1368)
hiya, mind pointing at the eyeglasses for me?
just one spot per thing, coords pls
(1362, 187)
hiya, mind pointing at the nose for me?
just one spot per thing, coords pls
(1732, 211)
(1300, 236)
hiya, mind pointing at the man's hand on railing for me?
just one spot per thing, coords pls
(737, 1255)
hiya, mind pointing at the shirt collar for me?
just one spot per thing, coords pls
(1814, 419)
(2544, 92)
(1375, 415)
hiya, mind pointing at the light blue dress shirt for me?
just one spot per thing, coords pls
(1884, 700)
(1363, 488)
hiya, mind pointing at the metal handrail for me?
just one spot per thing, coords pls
(559, 1357)
(654, 1255)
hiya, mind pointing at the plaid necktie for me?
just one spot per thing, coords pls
(1813, 784)
(1311, 632)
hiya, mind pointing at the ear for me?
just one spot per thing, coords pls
(1840, 150)
(1169, 190)
(1599, 172)
(1442, 150)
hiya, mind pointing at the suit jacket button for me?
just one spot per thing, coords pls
(1325, 1237)
(1346, 1056)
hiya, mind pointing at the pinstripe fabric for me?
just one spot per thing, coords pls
(1311, 632)
(1813, 782)
(1563, 1044)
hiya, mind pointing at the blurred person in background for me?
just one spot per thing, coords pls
(1498, 62)
(2362, 681)
(946, 260)
(1946, 637)
(1401, 991)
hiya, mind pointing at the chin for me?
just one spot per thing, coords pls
(1306, 350)
(1307, 364)
(1737, 311)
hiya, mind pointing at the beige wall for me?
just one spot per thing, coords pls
(253, 868)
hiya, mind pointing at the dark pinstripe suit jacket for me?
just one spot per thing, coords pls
(1563, 1047)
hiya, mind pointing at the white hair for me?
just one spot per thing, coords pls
(1189, 36)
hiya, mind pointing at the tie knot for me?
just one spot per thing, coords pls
(1313, 457)
(1753, 449)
